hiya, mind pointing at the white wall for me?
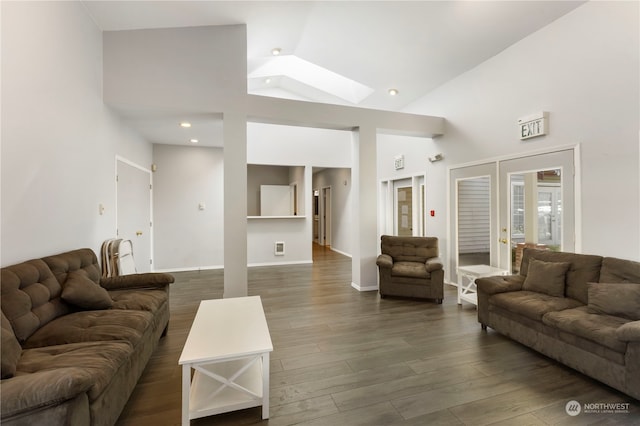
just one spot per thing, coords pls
(416, 153)
(59, 141)
(297, 146)
(186, 237)
(197, 68)
(583, 69)
(301, 148)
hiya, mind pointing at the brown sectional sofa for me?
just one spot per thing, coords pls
(581, 310)
(74, 344)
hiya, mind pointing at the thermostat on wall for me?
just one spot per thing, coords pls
(279, 248)
(398, 162)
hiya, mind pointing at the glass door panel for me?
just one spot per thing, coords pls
(539, 209)
(473, 215)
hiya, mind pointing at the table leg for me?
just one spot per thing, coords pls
(265, 385)
(186, 390)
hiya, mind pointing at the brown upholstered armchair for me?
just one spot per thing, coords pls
(410, 266)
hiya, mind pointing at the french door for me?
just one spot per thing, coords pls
(474, 235)
(537, 205)
(500, 207)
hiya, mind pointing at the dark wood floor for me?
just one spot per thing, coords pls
(342, 357)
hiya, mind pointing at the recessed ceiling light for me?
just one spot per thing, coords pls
(185, 124)
(267, 80)
(193, 140)
(393, 92)
(276, 51)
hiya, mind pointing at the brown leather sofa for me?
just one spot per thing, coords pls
(74, 344)
(581, 310)
(410, 267)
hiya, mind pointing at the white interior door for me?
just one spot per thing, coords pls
(403, 211)
(134, 222)
(538, 208)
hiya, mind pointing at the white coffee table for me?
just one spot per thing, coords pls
(468, 291)
(228, 347)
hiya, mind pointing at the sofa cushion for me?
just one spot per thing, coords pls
(584, 268)
(92, 326)
(409, 269)
(617, 299)
(546, 277)
(143, 300)
(43, 389)
(531, 304)
(81, 291)
(30, 297)
(98, 360)
(597, 328)
(10, 349)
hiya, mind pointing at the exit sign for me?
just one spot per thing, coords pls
(533, 125)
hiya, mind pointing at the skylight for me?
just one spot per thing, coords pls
(314, 76)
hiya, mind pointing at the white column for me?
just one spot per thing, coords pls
(235, 205)
(365, 208)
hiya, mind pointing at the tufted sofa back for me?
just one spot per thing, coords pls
(31, 291)
(409, 249)
(76, 260)
(30, 297)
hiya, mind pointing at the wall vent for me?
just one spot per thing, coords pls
(278, 248)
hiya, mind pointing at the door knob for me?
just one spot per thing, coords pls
(138, 233)
(504, 241)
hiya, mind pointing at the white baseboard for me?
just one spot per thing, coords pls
(297, 262)
(364, 288)
(341, 252)
(190, 269)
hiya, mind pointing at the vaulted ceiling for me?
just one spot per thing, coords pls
(350, 52)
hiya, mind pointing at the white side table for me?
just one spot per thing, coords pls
(468, 291)
(228, 347)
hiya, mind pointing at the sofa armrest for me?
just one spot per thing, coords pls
(629, 332)
(499, 284)
(28, 392)
(433, 264)
(145, 280)
(384, 261)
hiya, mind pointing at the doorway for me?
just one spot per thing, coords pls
(133, 211)
(325, 217)
(403, 202)
(531, 203)
(403, 206)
